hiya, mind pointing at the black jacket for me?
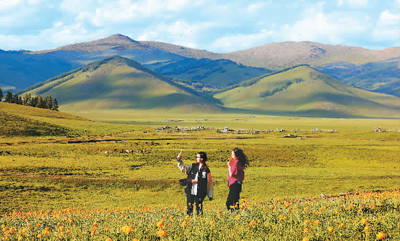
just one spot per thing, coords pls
(204, 187)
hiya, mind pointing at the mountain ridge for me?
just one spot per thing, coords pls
(116, 41)
(303, 52)
(121, 83)
(203, 69)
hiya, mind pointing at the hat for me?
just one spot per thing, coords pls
(183, 182)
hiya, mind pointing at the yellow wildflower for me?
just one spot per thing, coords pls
(160, 224)
(381, 235)
(252, 223)
(161, 233)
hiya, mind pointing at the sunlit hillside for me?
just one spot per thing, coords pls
(119, 83)
(18, 120)
(303, 90)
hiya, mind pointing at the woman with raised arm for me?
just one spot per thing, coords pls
(236, 165)
(199, 182)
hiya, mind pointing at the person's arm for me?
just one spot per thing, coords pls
(181, 165)
(233, 169)
(210, 190)
(183, 168)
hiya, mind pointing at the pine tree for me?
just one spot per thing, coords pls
(40, 102)
(48, 102)
(33, 101)
(55, 105)
(15, 99)
(27, 100)
(1, 94)
(9, 97)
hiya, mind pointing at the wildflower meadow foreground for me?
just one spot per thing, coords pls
(358, 216)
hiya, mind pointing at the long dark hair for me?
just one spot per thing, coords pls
(203, 155)
(242, 158)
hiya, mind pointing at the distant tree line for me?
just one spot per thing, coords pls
(283, 86)
(37, 101)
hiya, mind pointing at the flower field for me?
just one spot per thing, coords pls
(359, 216)
(119, 181)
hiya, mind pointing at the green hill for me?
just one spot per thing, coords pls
(18, 120)
(372, 70)
(119, 83)
(206, 73)
(305, 91)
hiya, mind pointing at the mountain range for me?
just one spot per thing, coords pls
(121, 83)
(210, 79)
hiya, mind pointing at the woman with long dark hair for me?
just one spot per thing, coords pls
(236, 165)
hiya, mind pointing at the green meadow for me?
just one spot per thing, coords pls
(88, 166)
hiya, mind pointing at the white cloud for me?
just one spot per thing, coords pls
(387, 18)
(387, 28)
(12, 19)
(77, 6)
(322, 27)
(353, 3)
(24, 16)
(7, 5)
(258, 6)
(62, 34)
(241, 41)
(58, 35)
(214, 25)
(178, 32)
(121, 10)
(9, 42)
(35, 2)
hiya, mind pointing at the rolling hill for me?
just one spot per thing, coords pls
(380, 77)
(287, 54)
(22, 69)
(120, 83)
(372, 70)
(303, 90)
(18, 120)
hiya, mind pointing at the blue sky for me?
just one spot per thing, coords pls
(214, 25)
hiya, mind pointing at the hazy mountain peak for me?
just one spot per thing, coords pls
(116, 42)
(118, 38)
(284, 54)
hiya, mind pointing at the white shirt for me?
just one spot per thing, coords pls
(194, 185)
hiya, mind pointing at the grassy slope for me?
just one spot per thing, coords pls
(29, 121)
(316, 92)
(56, 176)
(25, 121)
(37, 173)
(118, 83)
